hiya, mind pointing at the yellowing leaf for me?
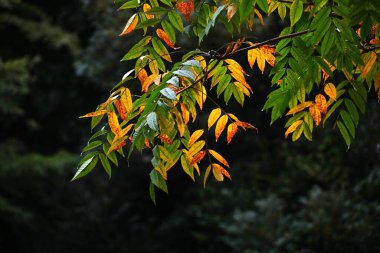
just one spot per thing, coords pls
(148, 82)
(221, 169)
(162, 34)
(368, 65)
(231, 10)
(195, 148)
(185, 113)
(299, 107)
(146, 7)
(217, 174)
(198, 157)
(218, 157)
(125, 130)
(220, 125)
(293, 127)
(131, 24)
(165, 154)
(116, 146)
(194, 137)
(214, 116)
(114, 123)
(180, 124)
(321, 103)
(330, 91)
(315, 113)
(94, 114)
(186, 8)
(231, 131)
(126, 99)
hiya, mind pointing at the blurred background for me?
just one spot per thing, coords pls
(59, 59)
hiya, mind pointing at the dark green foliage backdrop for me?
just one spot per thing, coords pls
(58, 58)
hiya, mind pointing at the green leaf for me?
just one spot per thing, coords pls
(106, 164)
(296, 10)
(176, 20)
(85, 168)
(130, 5)
(157, 11)
(348, 122)
(169, 93)
(332, 109)
(344, 133)
(148, 22)
(158, 181)
(245, 8)
(263, 5)
(152, 193)
(92, 145)
(161, 49)
(169, 30)
(189, 170)
(352, 110)
(151, 120)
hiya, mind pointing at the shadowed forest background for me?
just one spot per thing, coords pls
(59, 59)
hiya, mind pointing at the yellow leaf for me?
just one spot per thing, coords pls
(220, 125)
(261, 60)
(116, 145)
(252, 56)
(214, 116)
(201, 60)
(148, 82)
(221, 169)
(194, 137)
(114, 123)
(195, 148)
(180, 124)
(299, 107)
(368, 65)
(217, 174)
(131, 24)
(185, 113)
(293, 127)
(126, 100)
(187, 167)
(146, 7)
(234, 65)
(231, 131)
(218, 157)
(321, 103)
(125, 131)
(330, 91)
(164, 154)
(94, 114)
(315, 113)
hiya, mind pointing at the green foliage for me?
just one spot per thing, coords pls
(309, 79)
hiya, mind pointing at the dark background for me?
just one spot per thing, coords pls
(59, 59)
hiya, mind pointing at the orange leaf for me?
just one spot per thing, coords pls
(165, 138)
(221, 169)
(315, 113)
(218, 157)
(186, 8)
(321, 103)
(299, 107)
(198, 157)
(116, 146)
(214, 115)
(260, 17)
(245, 125)
(142, 75)
(220, 125)
(131, 25)
(114, 123)
(324, 73)
(194, 137)
(162, 34)
(121, 109)
(148, 82)
(330, 91)
(293, 127)
(94, 114)
(231, 131)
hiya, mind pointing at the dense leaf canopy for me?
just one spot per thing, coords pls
(323, 65)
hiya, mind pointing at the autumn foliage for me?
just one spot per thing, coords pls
(322, 66)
